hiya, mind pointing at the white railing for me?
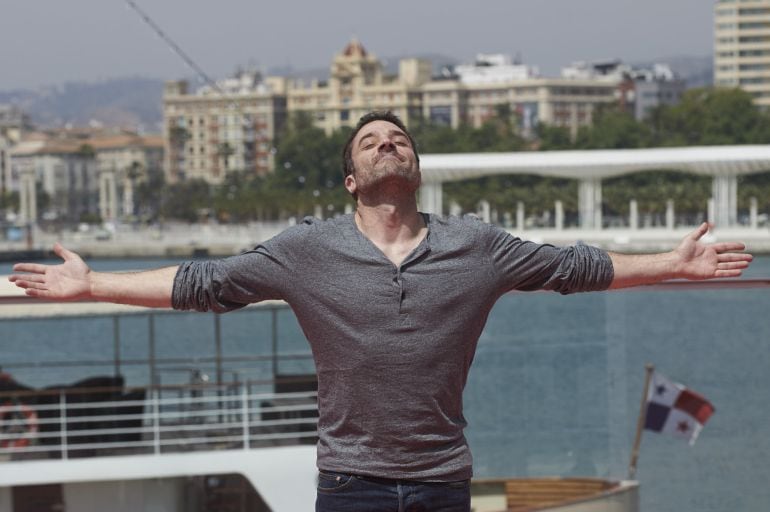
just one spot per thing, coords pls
(210, 419)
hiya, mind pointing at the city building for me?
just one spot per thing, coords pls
(14, 122)
(469, 93)
(123, 161)
(641, 90)
(56, 179)
(80, 175)
(231, 126)
(223, 128)
(742, 47)
(357, 84)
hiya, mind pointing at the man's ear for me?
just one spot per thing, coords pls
(350, 183)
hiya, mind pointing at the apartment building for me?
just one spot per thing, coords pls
(232, 126)
(79, 174)
(357, 84)
(223, 128)
(14, 122)
(123, 161)
(63, 170)
(742, 47)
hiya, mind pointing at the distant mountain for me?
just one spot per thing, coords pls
(134, 103)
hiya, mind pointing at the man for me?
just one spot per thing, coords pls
(393, 302)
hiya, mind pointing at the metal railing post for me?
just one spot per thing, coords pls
(156, 421)
(151, 341)
(274, 340)
(116, 343)
(63, 423)
(245, 413)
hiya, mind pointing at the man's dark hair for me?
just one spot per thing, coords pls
(377, 115)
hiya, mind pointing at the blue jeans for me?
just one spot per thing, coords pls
(340, 492)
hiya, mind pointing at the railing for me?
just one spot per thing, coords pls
(164, 421)
(554, 389)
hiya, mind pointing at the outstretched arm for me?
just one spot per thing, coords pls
(692, 259)
(74, 280)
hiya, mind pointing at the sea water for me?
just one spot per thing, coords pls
(555, 387)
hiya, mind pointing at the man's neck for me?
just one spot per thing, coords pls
(395, 229)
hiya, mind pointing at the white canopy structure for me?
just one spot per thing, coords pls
(723, 163)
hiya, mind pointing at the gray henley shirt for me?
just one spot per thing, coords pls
(392, 345)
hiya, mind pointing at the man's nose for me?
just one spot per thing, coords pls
(387, 145)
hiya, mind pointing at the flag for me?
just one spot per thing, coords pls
(674, 409)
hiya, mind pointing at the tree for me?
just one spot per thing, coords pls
(186, 200)
(613, 129)
(309, 167)
(708, 116)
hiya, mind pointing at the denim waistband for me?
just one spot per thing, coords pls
(394, 481)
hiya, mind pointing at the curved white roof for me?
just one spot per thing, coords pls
(597, 163)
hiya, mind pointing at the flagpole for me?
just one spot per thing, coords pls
(640, 422)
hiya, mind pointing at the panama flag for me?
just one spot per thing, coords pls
(674, 409)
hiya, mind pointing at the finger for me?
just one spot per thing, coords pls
(37, 278)
(733, 256)
(727, 273)
(32, 285)
(698, 232)
(732, 265)
(62, 252)
(728, 246)
(35, 268)
(38, 293)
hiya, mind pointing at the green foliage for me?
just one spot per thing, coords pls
(613, 129)
(707, 117)
(148, 195)
(9, 201)
(553, 137)
(189, 201)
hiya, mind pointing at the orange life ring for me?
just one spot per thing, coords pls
(18, 425)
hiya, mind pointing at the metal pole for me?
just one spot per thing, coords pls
(245, 414)
(640, 422)
(274, 340)
(63, 423)
(116, 343)
(151, 341)
(218, 341)
(156, 421)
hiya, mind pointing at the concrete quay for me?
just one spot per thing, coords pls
(194, 241)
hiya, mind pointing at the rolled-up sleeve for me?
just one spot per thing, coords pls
(528, 266)
(266, 272)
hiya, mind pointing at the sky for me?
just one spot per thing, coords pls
(49, 42)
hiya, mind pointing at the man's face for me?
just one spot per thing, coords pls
(383, 157)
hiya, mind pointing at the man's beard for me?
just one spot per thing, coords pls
(391, 171)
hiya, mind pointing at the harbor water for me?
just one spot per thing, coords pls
(555, 387)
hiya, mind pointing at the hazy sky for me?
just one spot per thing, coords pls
(46, 42)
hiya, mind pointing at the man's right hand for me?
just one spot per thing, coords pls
(74, 280)
(69, 280)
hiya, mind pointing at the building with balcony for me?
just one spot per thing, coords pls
(223, 128)
(123, 161)
(60, 172)
(742, 47)
(468, 94)
(231, 126)
(14, 122)
(358, 84)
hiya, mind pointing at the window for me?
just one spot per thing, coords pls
(441, 114)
